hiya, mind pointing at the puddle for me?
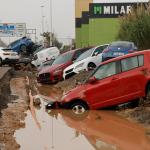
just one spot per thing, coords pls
(49, 134)
(94, 130)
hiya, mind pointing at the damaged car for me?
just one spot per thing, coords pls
(115, 81)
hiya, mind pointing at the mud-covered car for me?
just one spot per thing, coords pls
(54, 73)
(116, 81)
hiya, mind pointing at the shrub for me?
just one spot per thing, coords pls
(136, 27)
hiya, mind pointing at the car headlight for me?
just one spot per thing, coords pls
(80, 65)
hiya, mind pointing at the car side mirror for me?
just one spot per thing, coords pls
(92, 80)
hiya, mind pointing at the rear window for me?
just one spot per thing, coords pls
(132, 62)
(120, 46)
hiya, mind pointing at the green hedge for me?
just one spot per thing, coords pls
(136, 27)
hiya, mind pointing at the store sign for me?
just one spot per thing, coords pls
(12, 29)
(110, 10)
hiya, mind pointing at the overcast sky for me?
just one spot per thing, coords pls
(30, 12)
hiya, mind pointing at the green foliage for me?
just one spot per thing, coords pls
(136, 27)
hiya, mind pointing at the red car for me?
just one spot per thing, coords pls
(114, 82)
(54, 73)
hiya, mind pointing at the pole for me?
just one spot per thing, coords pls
(42, 7)
(51, 23)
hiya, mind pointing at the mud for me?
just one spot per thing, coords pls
(5, 90)
(13, 114)
(70, 83)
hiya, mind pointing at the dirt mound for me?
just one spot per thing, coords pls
(72, 82)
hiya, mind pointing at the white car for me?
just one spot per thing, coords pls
(86, 61)
(45, 54)
(7, 56)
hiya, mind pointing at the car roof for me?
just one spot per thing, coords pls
(126, 56)
(122, 42)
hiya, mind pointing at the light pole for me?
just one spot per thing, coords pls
(42, 7)
(51, 23)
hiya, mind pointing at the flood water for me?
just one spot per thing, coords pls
(95, 130)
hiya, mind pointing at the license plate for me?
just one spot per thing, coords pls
(118, 53)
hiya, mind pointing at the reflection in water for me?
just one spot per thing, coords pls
(94, 130)
(106, 131)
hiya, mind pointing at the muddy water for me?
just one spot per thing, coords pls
(95, 130)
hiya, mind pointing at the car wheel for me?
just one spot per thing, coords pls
(91, 66)
(23, 49)
(1, 62)
(79, 110)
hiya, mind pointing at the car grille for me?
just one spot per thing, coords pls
(70, 70)
(44, 76)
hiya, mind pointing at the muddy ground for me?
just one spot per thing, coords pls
(18, 98)
(13, 102)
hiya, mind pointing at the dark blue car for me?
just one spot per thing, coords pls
(22, 45)
(118, 48)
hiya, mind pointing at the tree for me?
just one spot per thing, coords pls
(52, 37)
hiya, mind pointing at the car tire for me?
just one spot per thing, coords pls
(78, 110)
(91, 66)
(1, 61)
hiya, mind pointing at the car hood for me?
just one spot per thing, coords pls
(51, 68)
(77, 92)
(78, 63)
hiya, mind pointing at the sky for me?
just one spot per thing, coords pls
(31, 12)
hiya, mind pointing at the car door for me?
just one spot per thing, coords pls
(106, 90)
(97, 56)
(133, 79)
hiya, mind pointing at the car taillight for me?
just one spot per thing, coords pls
(106, 50)
(131, 51)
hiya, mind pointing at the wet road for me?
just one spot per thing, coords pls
(63, 130)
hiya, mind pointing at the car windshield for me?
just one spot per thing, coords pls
(120, 46)
(39, 49)
(85, 55)
(64, 58)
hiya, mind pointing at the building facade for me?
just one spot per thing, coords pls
(97, 21)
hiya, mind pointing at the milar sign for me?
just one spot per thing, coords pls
(110, 10)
